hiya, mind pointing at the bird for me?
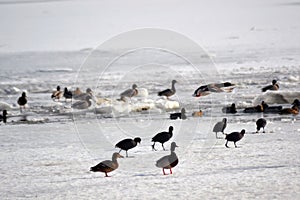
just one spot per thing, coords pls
(82, 96)
(255, 109)
(127, 144)
(168, 162)
(76, 92)
(197, 113)
(234, 137)
(129, 93)
(296, 102)
(83, 104)
(230, 109)
(168, 92)
(3, 117)
(162, 137)
(213, 87)
(261, 123)
(294, 110)
(57, 94)
(220, 127)
(107, 165)
(180, 115)
(67, 94)
(22, 101)
(274, 86)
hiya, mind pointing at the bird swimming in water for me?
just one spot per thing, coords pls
(22, 101)
(213, 87)
(162, 137)
(107, 165)
(168, 92)
(57, 94)
(261, 123)
(180, 115)
(168, 162)
(230, 109)
(3, 117)
(83, 104)
(274, 86)
(220, 127)
(129, 93)
(127, 144)
(67, 94)
(234, 137)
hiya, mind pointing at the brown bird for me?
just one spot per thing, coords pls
(22, 101)
(57, 94)
(107, 165)
(274, 86)
(294, 110)
(170, 161)
(234, 137)
(129, 93)
(168, 92)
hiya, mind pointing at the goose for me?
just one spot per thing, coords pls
(234, 137)
(127, 144)
(220, 127)
(162, 137)
(274, 86)
(261, 123)
(82, 96)
(22, 101)
(168, 162)
(129, 92)
(107, 165)
(168, 92)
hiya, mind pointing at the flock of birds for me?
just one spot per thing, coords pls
(84, 100)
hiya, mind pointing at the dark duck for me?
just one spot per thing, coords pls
(127, 144)
(3, 117)
(261, 123)
(168, 162)
(180, 115)
(230, 109)
(162, 137)
(107, 165)
(234, 137)
(274, 86)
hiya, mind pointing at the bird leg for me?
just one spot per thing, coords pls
(171, 170)
(163, 146)
(153, 149)
(226, 144)
(263, 129)
(235, 145)
(106, 174)
(120, 150)
(126, 154)
(216, 135)
(164, 171)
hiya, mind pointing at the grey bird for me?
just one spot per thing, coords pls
(107, 165)
(220, 127)
(169, 161)
(168, 92)
(129, 93)
(82, 96)
(83, 104)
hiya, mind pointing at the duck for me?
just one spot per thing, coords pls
(57, 94)
(83, 104)
(255, 109)
(261, 123)
(274, 86)
(67, 94)
(22, 101)
(230, 109)
(129, 93)
(169, 161)
(168, 92)
(197, 113)
(220, 127)
(76, 92)
(213, 87)
(294, 110)
(107, 166)
(296, 102)
(270, 109)
(82, 96)
(127, 144)
(3, 117)
(162, 137)
(180, 115)
(234, 137)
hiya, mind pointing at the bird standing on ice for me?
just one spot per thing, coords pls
(129, 93)
(220, 127)
(261, 123)
(170, 161)
(22, 101)
(162, 137)
(107, 165)
(127, 144)
(234, 137)
(3, 117)
(168, 92)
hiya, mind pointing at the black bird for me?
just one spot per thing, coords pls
(261, 123)
(67, 94)
(296, 102)
(180, 115)
(22, 101)
(234, 137)
(230, 109)
(107, 165)
(57, 94)
(170, 161)
(3, 117)
(274, 86)
(127, 144)
(220, 127)
(162, 137)
(168, 92)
